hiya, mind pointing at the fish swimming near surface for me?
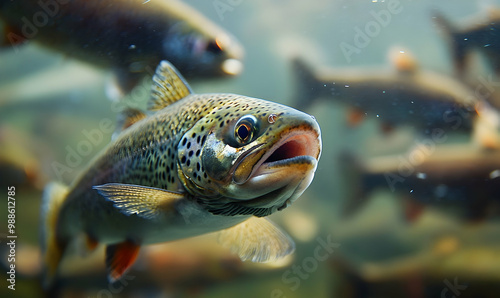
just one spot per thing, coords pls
(479, 33)
(198, 163)
(462, 178)
(402, 95)
(129, 37)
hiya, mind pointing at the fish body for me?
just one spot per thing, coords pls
(198, 163)
(129, 37)
(404, 95)
(463, 177)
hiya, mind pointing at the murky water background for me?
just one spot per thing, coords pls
(50, 104)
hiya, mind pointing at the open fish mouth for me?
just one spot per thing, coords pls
(294, 149)
(282, 173)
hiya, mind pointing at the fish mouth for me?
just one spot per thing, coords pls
(283, 172)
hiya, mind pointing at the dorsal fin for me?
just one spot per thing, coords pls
(168, 87)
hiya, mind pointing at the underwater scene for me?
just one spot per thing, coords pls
(236, 148)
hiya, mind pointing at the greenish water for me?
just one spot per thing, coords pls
(50, 103)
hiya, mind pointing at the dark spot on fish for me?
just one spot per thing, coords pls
(183, 159)
(190, 154)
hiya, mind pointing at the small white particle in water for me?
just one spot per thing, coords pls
(383, 91)
(402, 52)
(131, 47)
(347, 86)
(378, 115)
(374, 1)
(495, 174)
(487, 45)
(421, 175)
(145, 1)
(466, 39)
(412, 101)
(411, 191)
(324, 85)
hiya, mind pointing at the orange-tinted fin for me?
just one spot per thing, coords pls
(52, 249)
(355, 117)
(119, 258)
(412, 210)
(386, 128)
(131, 116)
(126, 119)
(91, 243)
(11, 37)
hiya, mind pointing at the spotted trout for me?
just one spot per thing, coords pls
(196, 163)
(129, 37)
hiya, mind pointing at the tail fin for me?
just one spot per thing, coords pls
(456, 40)
(52, 250)
(306, 84)
(352, 174)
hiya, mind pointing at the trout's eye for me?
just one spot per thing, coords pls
(245, 129)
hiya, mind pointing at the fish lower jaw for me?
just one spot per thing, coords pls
(279, 184)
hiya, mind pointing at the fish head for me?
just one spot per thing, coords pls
(203, 50)
(249, 156)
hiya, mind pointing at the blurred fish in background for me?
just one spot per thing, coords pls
(128, 37)
(400, 95)
(463, 178)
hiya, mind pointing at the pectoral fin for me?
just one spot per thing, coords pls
(143, 201)
(119, 258)
(257, 239)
